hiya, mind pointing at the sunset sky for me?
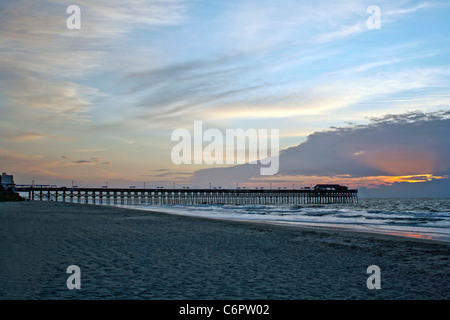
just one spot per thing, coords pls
(354, 105)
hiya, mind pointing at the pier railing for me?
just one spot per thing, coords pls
(188, 196)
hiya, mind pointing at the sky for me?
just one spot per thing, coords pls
(357, 105)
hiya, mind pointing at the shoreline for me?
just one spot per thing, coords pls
(345, 229)
(125, 253)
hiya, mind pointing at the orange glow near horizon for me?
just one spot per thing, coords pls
(399, 162)
(416, 178)
(369, 182)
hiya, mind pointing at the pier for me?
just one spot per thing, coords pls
(133, 196)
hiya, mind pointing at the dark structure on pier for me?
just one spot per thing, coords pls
(190, 196)
(330, 187)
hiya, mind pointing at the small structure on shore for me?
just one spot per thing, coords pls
(7, 188)
(7, 181)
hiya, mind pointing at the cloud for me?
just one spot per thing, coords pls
(42, 61)
(407, 10)
(238, 86)
(83, 162)
(179, 89)
(47, 99)
(411, 143)
(23, 20)
(24, 136)
(414, 143)
(27, 136)
(161, 170)
(251, 25)
(31, 165)
(262, 27)
(92, 161)
(90, 150)
(36, 35)
(46, 60)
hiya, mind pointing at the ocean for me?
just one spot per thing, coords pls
(413, 218)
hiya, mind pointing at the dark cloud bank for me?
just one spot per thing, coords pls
(394, 145)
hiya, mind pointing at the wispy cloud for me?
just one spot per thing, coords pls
(83, 162)
(407, 9)
(89, 150)
(24, 136)
(40, 55)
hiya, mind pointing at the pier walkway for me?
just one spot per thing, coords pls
(188, 196)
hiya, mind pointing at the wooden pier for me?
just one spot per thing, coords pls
(135, 196)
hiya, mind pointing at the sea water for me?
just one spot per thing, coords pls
(413, 218)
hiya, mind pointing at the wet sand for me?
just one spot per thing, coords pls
(132, 254)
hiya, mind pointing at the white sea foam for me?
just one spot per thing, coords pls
(414, 218)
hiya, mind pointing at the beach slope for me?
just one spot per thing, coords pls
(131, 254)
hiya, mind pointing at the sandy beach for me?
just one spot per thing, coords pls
(132, 254)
